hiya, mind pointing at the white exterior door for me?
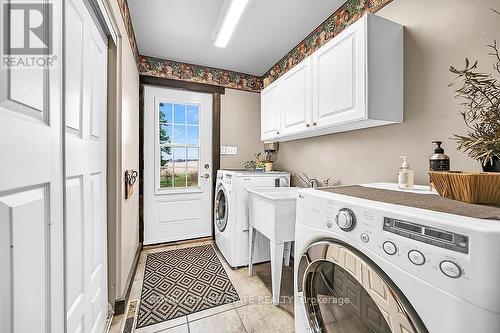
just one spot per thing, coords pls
(85, 228)
(339, 79)
(31, 190)
(177, 165)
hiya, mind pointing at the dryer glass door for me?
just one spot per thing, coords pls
(221, 209)
(345, 292)
(342, 302)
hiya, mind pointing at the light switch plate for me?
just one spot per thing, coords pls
(228, 150)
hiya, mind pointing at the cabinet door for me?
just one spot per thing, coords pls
(270, 112)
(339, 79)
(296, 99)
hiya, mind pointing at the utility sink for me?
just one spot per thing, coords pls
(271, 211)
(275, 193)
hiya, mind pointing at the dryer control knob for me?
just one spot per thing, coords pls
(346, 219)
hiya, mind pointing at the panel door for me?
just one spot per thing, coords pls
(296, 98)
(85, 111)
(270, 112)
(177, 165)
(31, 181)
(339, 79)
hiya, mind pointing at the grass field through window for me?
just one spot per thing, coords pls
(179, 180)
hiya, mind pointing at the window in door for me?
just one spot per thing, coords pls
(178, 145)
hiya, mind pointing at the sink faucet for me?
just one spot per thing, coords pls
(308, 182)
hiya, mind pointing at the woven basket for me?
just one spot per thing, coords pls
(471, 187)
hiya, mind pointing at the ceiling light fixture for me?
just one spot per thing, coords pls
(233, 14)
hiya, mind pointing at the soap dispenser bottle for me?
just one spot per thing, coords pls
(439, 161)
(406, 177)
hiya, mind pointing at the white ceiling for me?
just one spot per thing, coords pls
(181, 30)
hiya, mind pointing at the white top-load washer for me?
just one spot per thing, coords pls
(231, 213)
(369, 266)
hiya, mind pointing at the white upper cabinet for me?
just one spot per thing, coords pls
(270, 111)
(297, 106)
(353, 81)
(339, 71)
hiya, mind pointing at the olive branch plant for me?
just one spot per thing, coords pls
(480, 109)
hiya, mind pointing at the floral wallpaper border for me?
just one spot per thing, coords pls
(195, 73)
(127, 20)
(343, 17)
(347, 14)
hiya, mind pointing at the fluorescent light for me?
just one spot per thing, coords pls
(230, 22)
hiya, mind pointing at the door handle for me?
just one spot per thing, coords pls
(206, 176)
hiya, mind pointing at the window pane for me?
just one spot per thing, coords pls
(193, 135)
(193, 115)
(166, 133)
(180, 167)
(179, 114)
(166, 159)
(193, 165)
(179, 135)
(166, 112)
(166, 176)
(166, 167)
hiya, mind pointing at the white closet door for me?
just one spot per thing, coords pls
(31, 187)
(85, 228)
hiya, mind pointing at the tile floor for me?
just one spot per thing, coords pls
(253, 313)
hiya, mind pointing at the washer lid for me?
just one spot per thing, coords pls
(343, 290)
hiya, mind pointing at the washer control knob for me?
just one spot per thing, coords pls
(329, 223)
(364, 237)
(416, 257)
(450, 269)
(389, 248)
(345, 219)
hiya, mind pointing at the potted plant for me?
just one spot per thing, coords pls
(259, 164)
(269, 161)
(481, 112)
(250, 165)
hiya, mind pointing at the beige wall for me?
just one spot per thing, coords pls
(437, 34)
(240, 127)
(124, 237)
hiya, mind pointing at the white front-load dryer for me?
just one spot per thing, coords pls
(231, 214)
(367, 266)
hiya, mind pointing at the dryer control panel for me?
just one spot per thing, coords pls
(433, 236)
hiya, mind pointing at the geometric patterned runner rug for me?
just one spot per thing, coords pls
(183, 281)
